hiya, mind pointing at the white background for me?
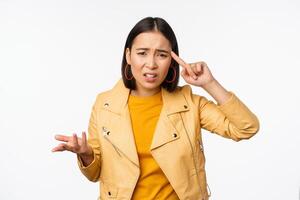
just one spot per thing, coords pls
(56, 56)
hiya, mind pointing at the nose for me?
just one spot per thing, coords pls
(150, 62)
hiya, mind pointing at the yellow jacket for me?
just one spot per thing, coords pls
(176, 145)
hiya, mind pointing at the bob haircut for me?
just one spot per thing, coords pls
(149, 24)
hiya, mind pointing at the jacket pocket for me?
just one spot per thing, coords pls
(108, 190)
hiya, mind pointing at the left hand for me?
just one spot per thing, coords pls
(197, 74)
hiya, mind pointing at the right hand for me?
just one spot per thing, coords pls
(74, 144)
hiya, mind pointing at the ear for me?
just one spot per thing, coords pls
(128, 60)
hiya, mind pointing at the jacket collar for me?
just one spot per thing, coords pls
(173, 102)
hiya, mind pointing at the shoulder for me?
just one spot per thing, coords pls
(187, 92)
(185, 89)
(100, 98)
(115, 97)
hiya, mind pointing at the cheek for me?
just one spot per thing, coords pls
(164, 66)
(137, 62)
(136, 67)
(135, 70)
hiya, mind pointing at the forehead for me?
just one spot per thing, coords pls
(153, 39)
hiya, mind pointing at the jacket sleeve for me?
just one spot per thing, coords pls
(92, 171)
(232, 119)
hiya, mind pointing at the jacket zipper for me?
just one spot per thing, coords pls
(193, 159)
(116, 148)
(201, 149)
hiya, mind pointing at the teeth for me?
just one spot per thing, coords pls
(150, 75)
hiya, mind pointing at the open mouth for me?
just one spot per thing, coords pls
(150, 75)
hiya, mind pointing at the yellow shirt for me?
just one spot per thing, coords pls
(152, 183)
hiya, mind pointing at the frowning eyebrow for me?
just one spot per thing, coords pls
(159, 50)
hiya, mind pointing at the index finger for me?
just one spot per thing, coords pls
(178, 59)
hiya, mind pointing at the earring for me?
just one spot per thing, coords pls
(174, 76)
(125, 73)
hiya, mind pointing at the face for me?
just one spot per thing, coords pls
(150, 60)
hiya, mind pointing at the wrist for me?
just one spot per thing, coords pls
(217, 91)
(86, 158)
(210, 85)
(87, 154)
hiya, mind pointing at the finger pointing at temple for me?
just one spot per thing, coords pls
(183, 64)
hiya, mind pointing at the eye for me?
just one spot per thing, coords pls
(141, 53)
(163, 55)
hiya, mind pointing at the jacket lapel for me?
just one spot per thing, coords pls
(170, 124)
(121, 134)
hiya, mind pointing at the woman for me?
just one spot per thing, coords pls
(144, 136)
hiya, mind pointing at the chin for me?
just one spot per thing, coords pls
(150, 85)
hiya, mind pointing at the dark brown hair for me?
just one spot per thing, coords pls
(149, 24)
